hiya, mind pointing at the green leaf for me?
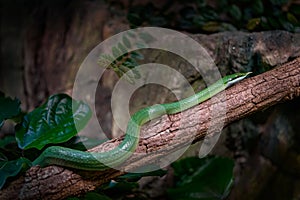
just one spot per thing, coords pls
(131, 33)
(210, 15)
(9, 108)
(217, 27)
(136, 55)
(127, 73)
(212, 26)
(126, 42)
(258, 7)
(264, 23)
(123, 68)
(207, 178)
(106, 57)
(130, 63)
(199, 20)
(146, 37)
(235, 12)
(141, 45)
(53, 122)
(7, 140)
(116, 52)
(285, 24)
(122, 48)
(292, 18)
(3, 159)
(13, 168)
(253, 23)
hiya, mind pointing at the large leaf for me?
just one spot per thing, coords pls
(6, 141)
(235, 12)
(3, 159)
(12, 168)
(53, 122)
(207, 178)
(9, 108)
(116, 190)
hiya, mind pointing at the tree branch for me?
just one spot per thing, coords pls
(166, 137)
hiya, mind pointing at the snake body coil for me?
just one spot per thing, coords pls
(103, 160)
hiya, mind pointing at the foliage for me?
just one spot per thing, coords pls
(227, 15)
(206, 178)
(12, 168)
(122, 60)
(9, 108)
(52, 122)
(124, 186)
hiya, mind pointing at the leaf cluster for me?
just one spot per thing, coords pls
(58, 120)
(209, 178)
(124, 61)
(215, 16)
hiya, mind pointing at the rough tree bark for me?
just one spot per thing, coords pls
(167, 136)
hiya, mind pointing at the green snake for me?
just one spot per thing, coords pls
(98, 161)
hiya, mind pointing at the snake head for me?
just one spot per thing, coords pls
(234, 78)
